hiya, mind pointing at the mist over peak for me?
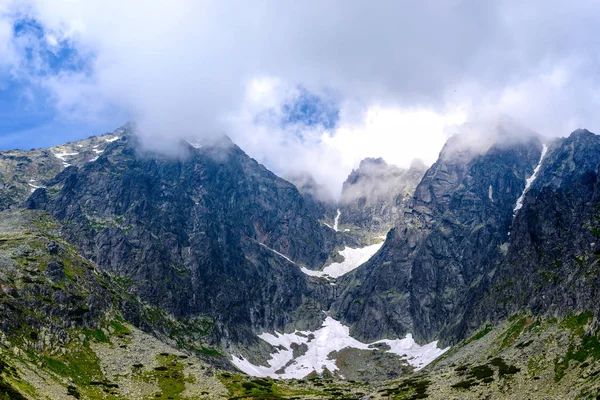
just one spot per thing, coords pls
(296, 98)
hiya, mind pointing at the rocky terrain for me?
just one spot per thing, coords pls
(375, 196)
(126, 274)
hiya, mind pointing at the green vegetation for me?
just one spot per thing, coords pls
(519, 323)
(576, 322)
(120, 329)
(97, 335)
(503, 368)
(587, 350)
(209, 352)
(168, 376)
(466, 384)
(7, 391)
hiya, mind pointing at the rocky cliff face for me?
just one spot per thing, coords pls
(209, 246)
(375, 195)
(197, 235)
(318, 198)
(21, 172)
(551, 265)
(438, 257)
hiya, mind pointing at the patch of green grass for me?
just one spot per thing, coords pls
(81, 366)
(7, 391)
(97, 335)
(576, 322)
(478, 335)
(503, 368)
(241, 386)
(481, 372)
(587, 350)
(69, 273)
(466, 384)
(515, 330)
(120, 329)
(210, 352)
(168, 376)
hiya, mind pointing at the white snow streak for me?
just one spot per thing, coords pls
(61, 156)
(336, 220)
(33, 187)
(278, 253)
(109, 140)
(491, 193)
(332, 336)
(353, 258)
(530, 180)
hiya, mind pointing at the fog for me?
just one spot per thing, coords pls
(391, 79)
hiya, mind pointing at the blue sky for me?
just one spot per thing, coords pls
(29, 117)
(28, 114)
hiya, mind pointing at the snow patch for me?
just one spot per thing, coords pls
(196, 144)
(93, 159)
(353, 258)
(491, 193)
(336, 220)
(112, 139)
(332, 336)
(34, 187)
(61, 156)
(530, 181)
(95, 150)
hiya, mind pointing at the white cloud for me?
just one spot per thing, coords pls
(404, 73)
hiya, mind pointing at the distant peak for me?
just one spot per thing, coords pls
(578, 133)
(418, 165)
(370, 161)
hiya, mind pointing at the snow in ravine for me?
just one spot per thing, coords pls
(278, 253)
(332, 336)
(530, 180)
(353, 258)
(112, 139)
(336, 220)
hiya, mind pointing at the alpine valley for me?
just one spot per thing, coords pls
(128, 274)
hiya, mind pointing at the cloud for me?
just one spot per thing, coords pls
(388, 78)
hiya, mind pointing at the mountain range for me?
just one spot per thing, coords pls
(129, 274)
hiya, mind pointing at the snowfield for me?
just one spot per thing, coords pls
(332, 336)
(353, 258)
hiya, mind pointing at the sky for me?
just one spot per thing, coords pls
(312, 86)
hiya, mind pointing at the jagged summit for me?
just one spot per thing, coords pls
(374, 195)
